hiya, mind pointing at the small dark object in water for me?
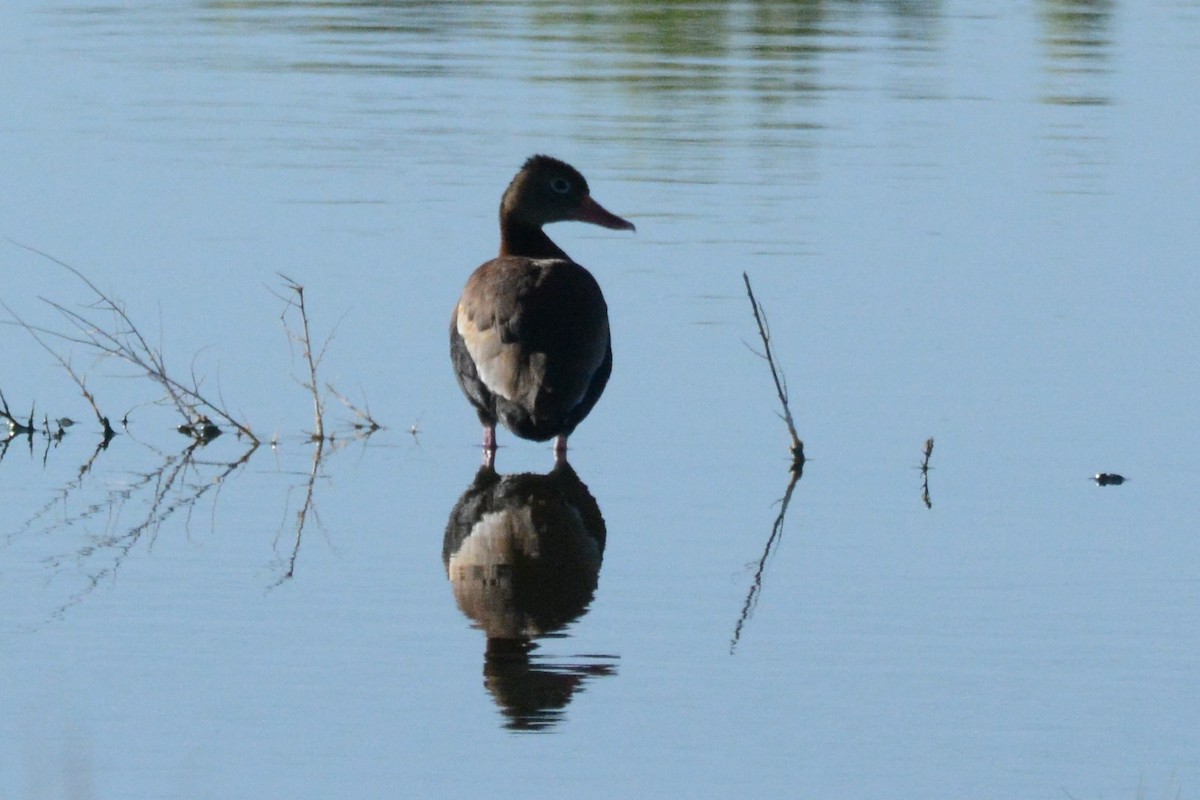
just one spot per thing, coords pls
(1109, 479)
(204, 430)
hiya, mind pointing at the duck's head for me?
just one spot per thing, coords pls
(548, 190)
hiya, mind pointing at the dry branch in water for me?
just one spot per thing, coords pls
(107, 428)
(121, 339)
(15, 426)
(366, 424)
(764, 332)
(797, 469)
(106, 328)
(927, 452)
(304, 339)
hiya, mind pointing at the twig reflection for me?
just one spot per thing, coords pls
(307, 509)
(105, 328)
(760, 570)
(176, 486)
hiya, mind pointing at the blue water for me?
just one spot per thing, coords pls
(964, 222)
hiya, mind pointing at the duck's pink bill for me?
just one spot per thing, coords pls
(593, 212)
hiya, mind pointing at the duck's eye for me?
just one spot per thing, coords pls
(560, 185)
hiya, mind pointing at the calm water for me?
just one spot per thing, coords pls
(967, 221)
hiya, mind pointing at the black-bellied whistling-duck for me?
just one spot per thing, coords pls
(529, 337)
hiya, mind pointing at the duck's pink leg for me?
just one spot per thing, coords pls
(560, 449)
(489, 445)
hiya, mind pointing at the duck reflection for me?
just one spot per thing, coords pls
(523, 555)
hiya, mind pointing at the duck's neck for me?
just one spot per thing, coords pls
(529, 241)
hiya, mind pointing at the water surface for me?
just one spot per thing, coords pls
(964, 222)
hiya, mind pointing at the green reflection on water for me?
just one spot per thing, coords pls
(1077, 40)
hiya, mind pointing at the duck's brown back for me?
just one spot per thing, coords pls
(531, 344)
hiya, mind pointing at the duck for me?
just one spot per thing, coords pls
(529, 336)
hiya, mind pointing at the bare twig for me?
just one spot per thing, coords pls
(797, 467)
(366, 423)
(764, 331)
(124, 341)
(109, 433)
(927, 452)
(304, 339)
(15, 426)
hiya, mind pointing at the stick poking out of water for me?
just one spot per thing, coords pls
(365, 424)
(311, 359)
(927, 452)
(109, 433)
(764, 332)
(121, 339)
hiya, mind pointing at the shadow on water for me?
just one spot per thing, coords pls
(523, 555)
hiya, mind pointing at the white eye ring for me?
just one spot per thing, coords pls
(560, 185)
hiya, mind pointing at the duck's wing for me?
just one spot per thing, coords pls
(536, 330)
